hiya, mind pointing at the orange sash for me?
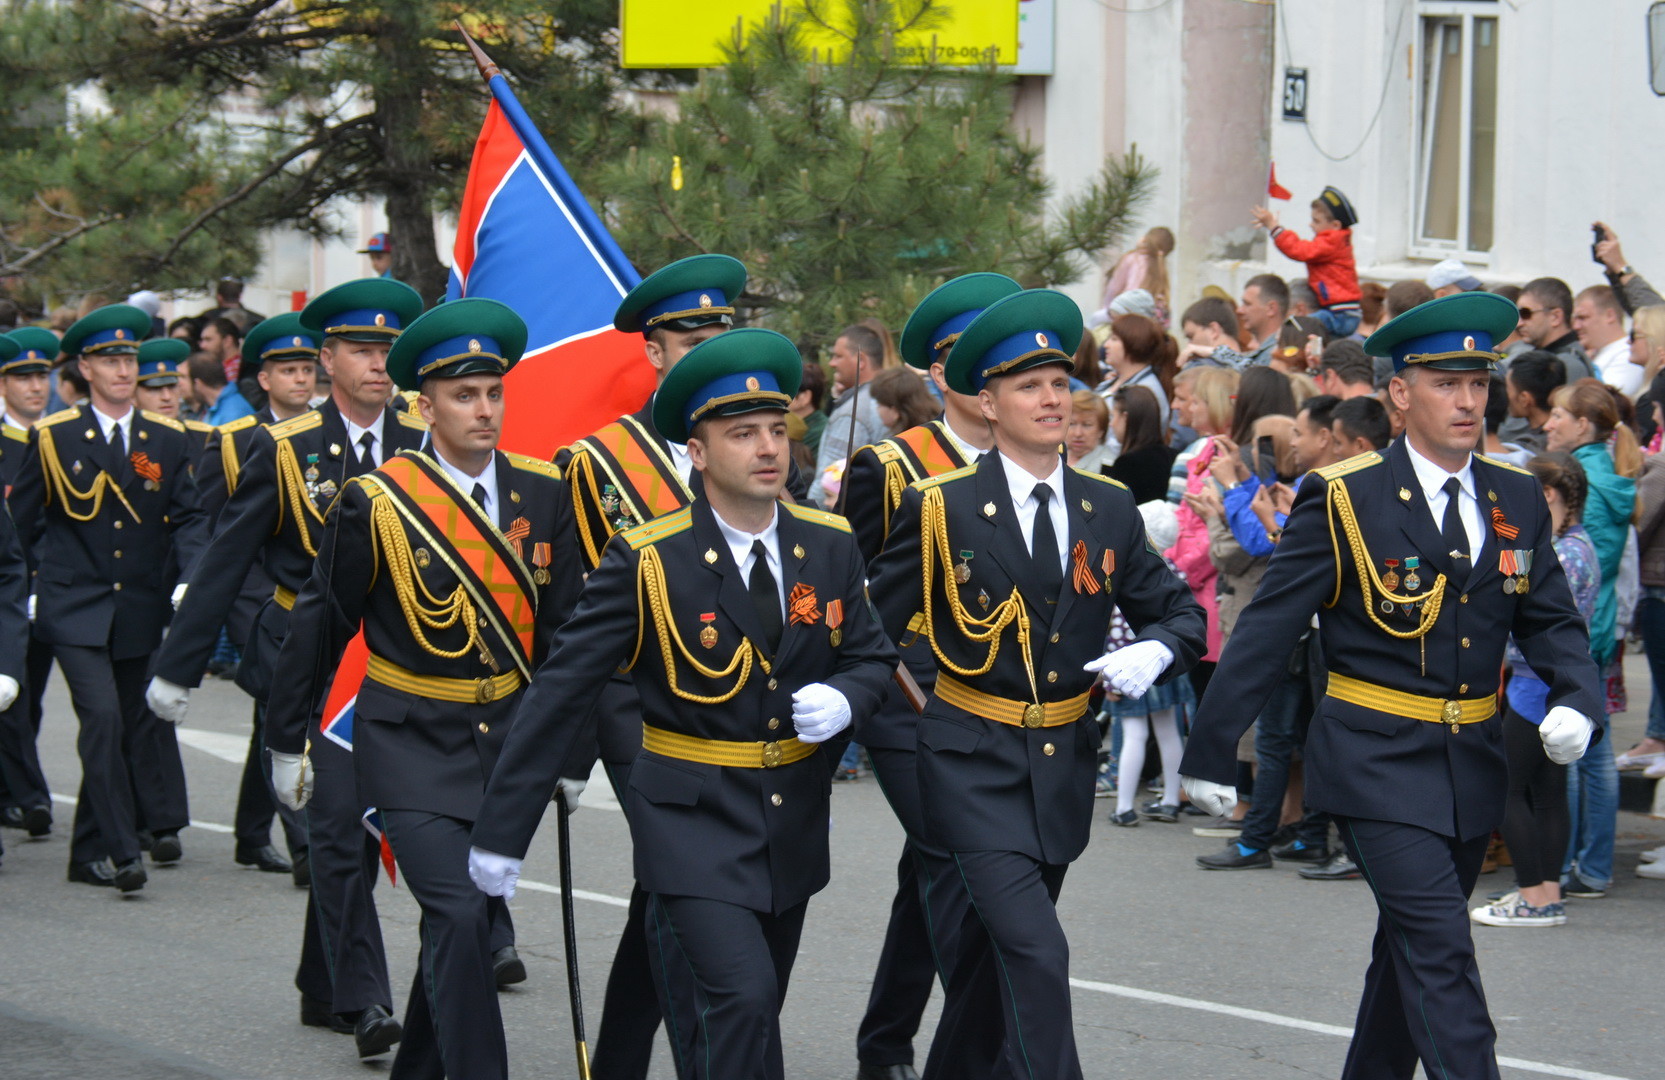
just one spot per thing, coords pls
(471, 545)
(622, 472)
(933, 451)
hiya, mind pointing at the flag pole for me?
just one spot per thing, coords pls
(488, 70)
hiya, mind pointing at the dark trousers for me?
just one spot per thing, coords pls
(923, 931)
(1537, 823)
(257, 803)
(723, 993)
(452, 1023)
(157, 772)
(342, 908)
(1013, 959)
(108, 696)
(1422, 996)
(1280, 730)
(630, 1008)
(22, 783)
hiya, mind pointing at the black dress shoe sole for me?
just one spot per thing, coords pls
(1246, 864)
(1332, 875)
(166, 849)
(379, 1038)
(79, 875)
(38, 821)
(509, 972)
(131, 878)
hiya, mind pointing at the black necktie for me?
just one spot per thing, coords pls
(1049, 571)
(367, 459)
(1456, 537)
(765, 596)
(479, 494)
(118, 451)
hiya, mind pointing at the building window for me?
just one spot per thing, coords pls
(1457, 128)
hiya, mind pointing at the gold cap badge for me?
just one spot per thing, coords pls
(1040, 339)
(381, 320)
(297, 342)
(705, 300)
(473, 344)
(752, 383)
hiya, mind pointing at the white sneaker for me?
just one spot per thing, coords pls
(1653, 854)
(1655, 771)
(1652, 870)
(1516, 912)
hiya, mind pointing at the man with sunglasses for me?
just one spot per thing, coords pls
(1545, 307)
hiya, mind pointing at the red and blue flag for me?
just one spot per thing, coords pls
(527, 237)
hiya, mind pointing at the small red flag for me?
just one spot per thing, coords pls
(1273, 188)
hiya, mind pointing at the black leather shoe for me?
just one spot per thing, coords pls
(376, 1031)
(301, 871)
(166, 848)
(507, 967)
(886, 1072)
(38, 820)
(1338, 867)
(97, 872)
(11, 817)
(315, 1013)
(1233, 859)
(1297, 851)
(265, 859)
(131, 876)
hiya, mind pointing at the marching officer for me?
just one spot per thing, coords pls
(14, 648)
(25, 380)
(284, 356)
(916, 943)
(746, 625)
(291, 477)
(452, 561)
(1421, 563)
(621, 476)
(1010, 571)
(102, 500)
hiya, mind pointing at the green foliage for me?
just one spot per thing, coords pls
(851, 188)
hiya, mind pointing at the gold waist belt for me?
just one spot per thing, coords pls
(438, 687)
(738, 755)
(285, 598)
(1007, 711)
(1433, 710)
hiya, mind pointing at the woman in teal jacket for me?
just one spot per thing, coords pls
(1584, 420)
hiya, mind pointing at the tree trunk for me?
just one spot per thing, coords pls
(407, 158)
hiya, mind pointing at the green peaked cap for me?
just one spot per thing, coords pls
(690, 292)
(469, 336)
(370, 309)
(741, 371)
(1459, 332)
(113, 328)
(1027, 329)
(281, 337)
(949, 308)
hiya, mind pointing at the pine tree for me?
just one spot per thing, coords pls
(851, 185)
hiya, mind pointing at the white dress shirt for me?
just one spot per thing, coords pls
(740, 546)
(106, 424)
(487, 480)
(679, 457)
(1613, 366)
(1022, 483)
(355, 433)
(970, 453)
(1432, 478)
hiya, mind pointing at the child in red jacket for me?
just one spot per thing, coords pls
(1329, 258)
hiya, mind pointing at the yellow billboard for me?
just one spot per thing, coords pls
(677, 34)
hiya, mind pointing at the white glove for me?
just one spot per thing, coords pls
(1566, 734)
(292, 777)
(31, 607)
(569, 788)
(1209, 797)
(167, 700)
(8, 692)
(819, 712)
(179, 594)
(1131, 670)
(493, 874)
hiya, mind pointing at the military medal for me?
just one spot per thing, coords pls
(1108, 565)
(1507, 566)
(1390, 580)
(962, 569)
(1525, 572)
(1413, 581)
(609, 500)
(835, 622)
(540, 559)
(1387, 607)
(327, 489)
(983, 599)
(76, 468)
(708, 633)
(423, 559)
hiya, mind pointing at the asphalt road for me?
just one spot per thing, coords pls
(1247, 976)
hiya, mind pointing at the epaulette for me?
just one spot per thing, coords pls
(658, 529)
(165, 421)
(818, 517)
(239, 424)
(58, 417)
(410, 421)
(15, 433)
(1503, 465)
(199, 427)
(534, 465)
(293, 426)
(937, 481)
(885, 450)
(1101, 478)
(1351, 465)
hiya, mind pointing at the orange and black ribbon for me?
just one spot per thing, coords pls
(802, 605)
(1501, 526)
(1085, 580)
(146, 467)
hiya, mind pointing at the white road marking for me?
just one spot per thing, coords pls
(1155, 997)
(232, 748)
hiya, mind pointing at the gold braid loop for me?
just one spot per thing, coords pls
(388, 535)
(896, 482)
(58, 481)
(650, 585)
(933, 538)
(581, 479)
(1342, 503)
